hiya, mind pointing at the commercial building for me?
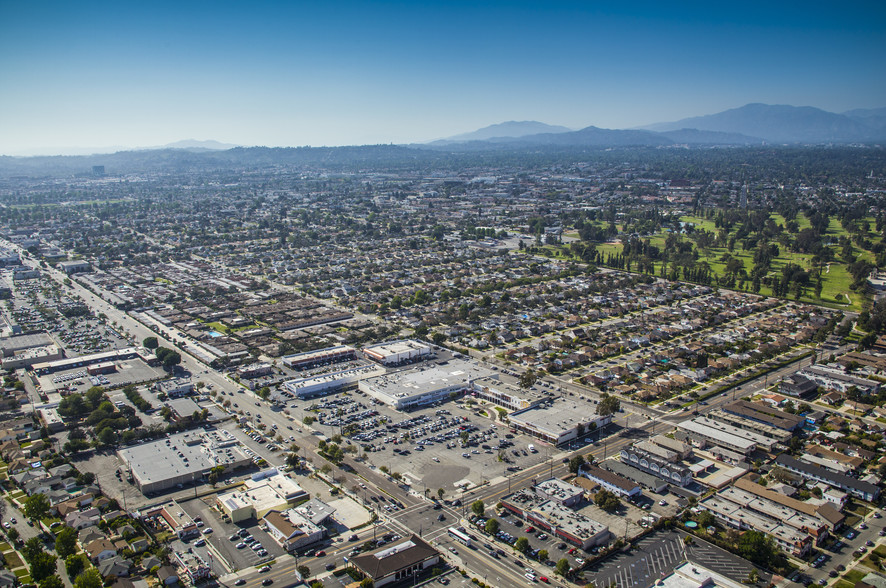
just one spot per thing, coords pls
(832, 378)
(739, 422)
(327, 383)
(292, 530)
(504, 395)
(558, 421)
(794, 530)
(87, 360)
(423, 385)
(683, 450)
(673, 473)
(694, 575)
(854, 486)
(182, 459)
(644, 479)
(704, 431)
(561, 492)
(263, 492)
(191, 565)
(556, 519)
(610, 481)
(329, 355)
(175, 387)
(31, 356)
(763, 413)
(397, 352)
(73, 267)
(174, 516)
(797, 385)
(255, 370)
(398, 561)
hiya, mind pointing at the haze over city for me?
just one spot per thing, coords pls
(106, 76)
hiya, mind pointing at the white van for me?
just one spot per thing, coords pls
(532, 449)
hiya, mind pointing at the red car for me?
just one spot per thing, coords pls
(544, 579)
(572, 551)
(530, 529)
(320, 553)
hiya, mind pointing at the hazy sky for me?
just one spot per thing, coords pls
(128, 73)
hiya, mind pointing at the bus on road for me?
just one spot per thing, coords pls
(460, 536)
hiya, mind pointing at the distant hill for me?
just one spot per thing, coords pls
(193, 144)
(780, 124)
(874, 118)
(509, 129)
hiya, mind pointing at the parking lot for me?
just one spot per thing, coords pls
(512, 528)
(242, 544)
(658, 554)
(446, 446)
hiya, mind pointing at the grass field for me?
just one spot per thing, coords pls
(835, 276)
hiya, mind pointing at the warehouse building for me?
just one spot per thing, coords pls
(398, 352)
(182, 459)
(558, 421)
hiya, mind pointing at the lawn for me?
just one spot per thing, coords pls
(835, 276)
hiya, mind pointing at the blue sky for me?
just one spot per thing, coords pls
(126, 74)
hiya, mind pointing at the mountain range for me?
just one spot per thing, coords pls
(752, 124)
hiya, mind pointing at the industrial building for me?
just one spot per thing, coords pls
(558, 421)
(182, 459)
(423, 385)
(397, 352)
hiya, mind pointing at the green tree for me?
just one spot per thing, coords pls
(478, 508)
(575, 463)
(52, 581)
(522, 544)
(264, 392)
(293, 460)
(542, 555)
(32, 548)
(528, 379)
(706, 519)
(607, 500)
(42, 566)
(150, 343)
(608, 405)
(74, 564)
(440, 493)
(13, 534)
(303, 571)
(562, 567)
(36, 507)
(66, 542)
(107, 436)
(492, 526)
(89, 579)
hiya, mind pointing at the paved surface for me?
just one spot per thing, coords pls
(656, 556)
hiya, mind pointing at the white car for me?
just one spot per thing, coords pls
(207, 530)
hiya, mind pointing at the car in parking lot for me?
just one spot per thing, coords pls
(200, 543)
(240, 545)
(234, 537)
